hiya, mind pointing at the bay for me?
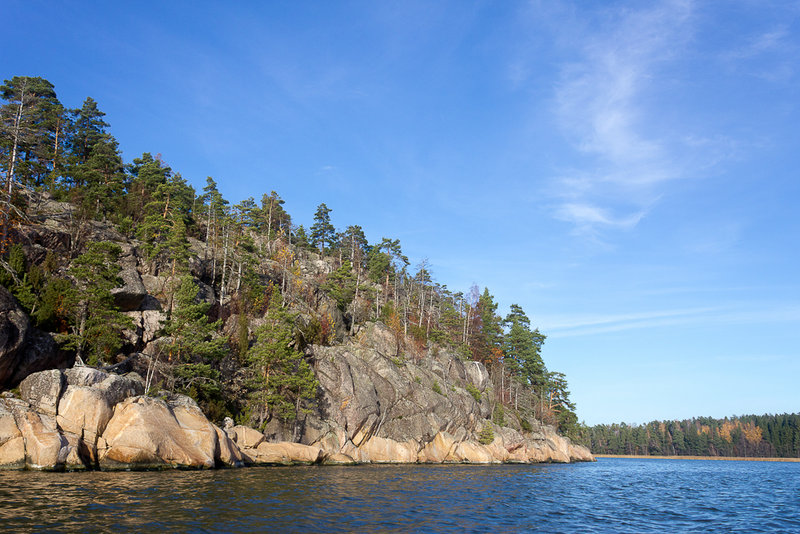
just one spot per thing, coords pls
(611, 495)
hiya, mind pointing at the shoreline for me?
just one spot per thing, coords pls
(722, 458)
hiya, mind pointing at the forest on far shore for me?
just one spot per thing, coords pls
(760, 436)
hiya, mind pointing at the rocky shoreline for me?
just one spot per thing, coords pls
(83, 418)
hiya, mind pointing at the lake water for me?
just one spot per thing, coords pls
(612, 495)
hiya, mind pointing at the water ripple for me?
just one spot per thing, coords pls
(608, 496)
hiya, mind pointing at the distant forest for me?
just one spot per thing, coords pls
(761, 436)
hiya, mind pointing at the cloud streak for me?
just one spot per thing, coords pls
(603, 324)
(599, 107)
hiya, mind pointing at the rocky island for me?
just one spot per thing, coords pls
(144, 326)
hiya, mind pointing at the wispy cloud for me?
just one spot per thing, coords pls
(585, 215)
(583, 325)
(591, 324)
(599, 106)
(770, 55)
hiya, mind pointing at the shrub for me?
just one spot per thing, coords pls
(526, 426)
(499, 415)
(472, 390)
(436, 388)
(486, 435)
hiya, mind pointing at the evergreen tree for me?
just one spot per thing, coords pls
(281, 379)
(97, 323)
(341, 285)
(99, 181)
(89, 128)
(322, 231)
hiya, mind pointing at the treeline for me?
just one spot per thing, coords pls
(252, 258)
(763, 436)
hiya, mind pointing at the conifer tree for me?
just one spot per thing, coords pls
(322, 231)
(97, 323)
(281, 379)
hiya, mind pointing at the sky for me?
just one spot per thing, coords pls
(627, 172)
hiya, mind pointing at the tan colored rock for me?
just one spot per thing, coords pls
(84, 411)
(12, 444)
(383, 450)
(518, 455)
(547, 451)
(84, 376)
(144, 433)
(579, 453)
(246, 437)
(45, 447)
(497, 450)
(227, 453)
(338, 458)
(12, 453)
(78, 456)
(151, 324)
(283, 453)
(437, 450)
(472, 453)
(332, 441)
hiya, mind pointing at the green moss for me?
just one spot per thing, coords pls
(435, 387)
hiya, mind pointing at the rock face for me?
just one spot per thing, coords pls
(14, 326)
(380, 406)
(23, 349)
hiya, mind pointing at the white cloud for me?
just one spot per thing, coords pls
(599, 106)
(587, 215)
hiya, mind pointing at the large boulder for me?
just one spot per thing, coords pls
(42, 390)
(227, 453)
(145, 433)
(132, 294)
(245, 437)
(45, 447)
(12, 443)
(41, 353)
(84, 411)
(283, 453)
(438, 449)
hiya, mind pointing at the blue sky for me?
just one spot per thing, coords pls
(627, 172)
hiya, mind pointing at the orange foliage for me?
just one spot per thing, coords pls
(725, 431)
(495, 355)
(752, 433)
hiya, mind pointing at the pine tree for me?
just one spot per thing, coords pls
(97, 324)
(89, 128)
(322, 231)
(281, 379)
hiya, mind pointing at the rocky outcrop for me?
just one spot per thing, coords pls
(14, 326)
(23, 349)
(85, 418)
(380, 405)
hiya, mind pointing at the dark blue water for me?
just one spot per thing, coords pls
(608, 496)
